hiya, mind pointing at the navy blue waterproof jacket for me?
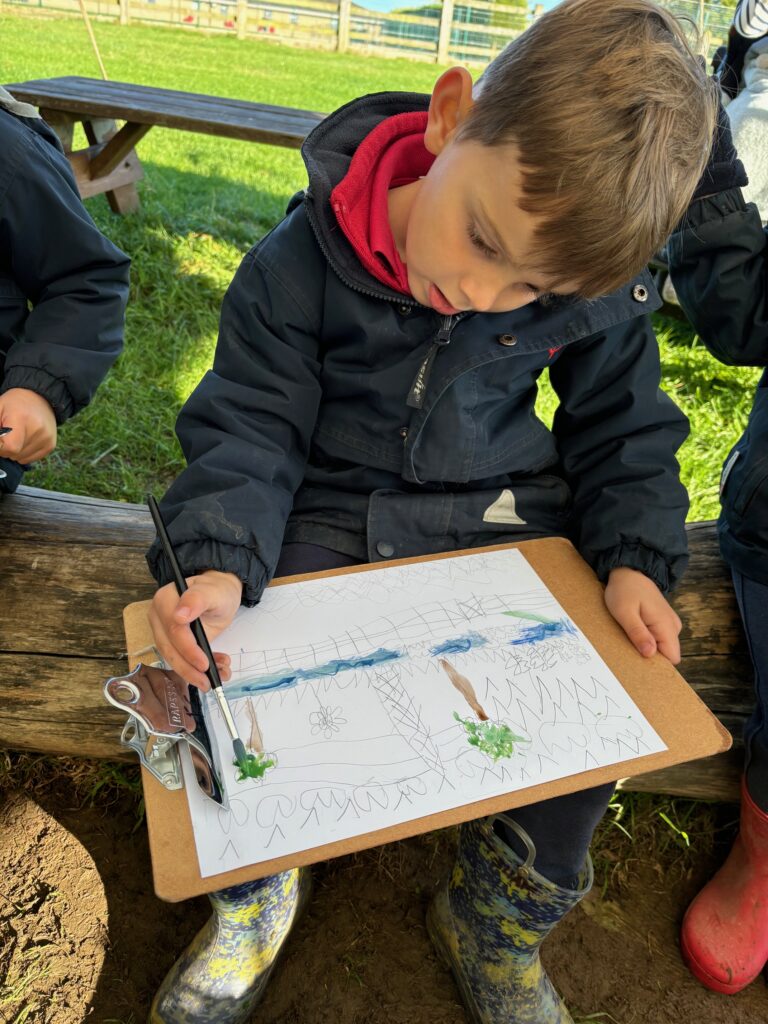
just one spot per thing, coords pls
(344, 414)
(719, 266)
(63, 285)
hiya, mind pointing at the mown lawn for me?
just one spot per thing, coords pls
(205, 201)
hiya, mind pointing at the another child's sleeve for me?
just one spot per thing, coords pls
(73, 278)
(718, 260)
(751, 18)
(617, 435)
(246, 429)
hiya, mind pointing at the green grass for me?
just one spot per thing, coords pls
(205, 201)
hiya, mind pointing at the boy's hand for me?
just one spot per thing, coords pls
(643, 613)
(33, 426)
(213, 597)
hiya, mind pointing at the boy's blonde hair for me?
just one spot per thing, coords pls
(613, 116)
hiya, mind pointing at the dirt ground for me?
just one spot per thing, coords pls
(83, 938)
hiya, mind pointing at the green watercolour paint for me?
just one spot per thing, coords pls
(495, 740)
(253, 766)
(530, 616)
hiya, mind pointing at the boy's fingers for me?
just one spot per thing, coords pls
(11, 444)
(179, 663)
(670, 648)
(184, 641)
(223, 665)
(666, 634)
(638, 633)
(178, 649)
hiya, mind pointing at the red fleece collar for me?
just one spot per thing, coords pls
(392, 154)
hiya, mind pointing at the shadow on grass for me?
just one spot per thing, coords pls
(183, 258)
(189, 202)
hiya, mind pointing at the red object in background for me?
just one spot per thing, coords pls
(189, 19)
(271, 28)
(229, 24)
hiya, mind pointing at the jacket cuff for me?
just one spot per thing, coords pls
(198, 556)
(54, 391)
(635, 555)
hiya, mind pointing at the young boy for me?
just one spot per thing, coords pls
(63, 289)
(372, 396)
(719, 264)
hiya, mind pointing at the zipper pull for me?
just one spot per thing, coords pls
(418, 390)
(444, 334)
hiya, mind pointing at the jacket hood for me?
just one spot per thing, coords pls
(327, 153)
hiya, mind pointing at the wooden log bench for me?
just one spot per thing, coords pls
(109, 163)
(70, 565)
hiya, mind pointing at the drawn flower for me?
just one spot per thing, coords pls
(327, 721)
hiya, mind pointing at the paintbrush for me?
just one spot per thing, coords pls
(199, 633)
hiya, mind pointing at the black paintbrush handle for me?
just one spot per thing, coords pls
(181, 585)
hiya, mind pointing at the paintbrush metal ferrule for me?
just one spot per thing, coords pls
(226, 711)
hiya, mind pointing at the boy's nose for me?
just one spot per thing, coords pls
(481, 295)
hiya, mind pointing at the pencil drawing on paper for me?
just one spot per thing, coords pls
(383, 696)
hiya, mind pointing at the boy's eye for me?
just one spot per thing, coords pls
(532, 288)
(479, 243)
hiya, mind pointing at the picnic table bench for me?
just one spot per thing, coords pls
(109, 163)
(70, 564)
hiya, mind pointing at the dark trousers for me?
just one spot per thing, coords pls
(753, 605)
(561, 828)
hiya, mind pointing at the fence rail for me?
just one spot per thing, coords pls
(442, 31)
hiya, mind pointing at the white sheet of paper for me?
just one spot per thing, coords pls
(350, 685)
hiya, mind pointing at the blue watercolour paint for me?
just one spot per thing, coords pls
(544, 631)
(460, 645)
(290, 677)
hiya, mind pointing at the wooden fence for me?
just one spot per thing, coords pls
(472, 33)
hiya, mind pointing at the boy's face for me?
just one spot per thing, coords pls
(464, 239)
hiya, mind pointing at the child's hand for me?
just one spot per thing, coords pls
(213, 597)
(33, 426)
(643, 613)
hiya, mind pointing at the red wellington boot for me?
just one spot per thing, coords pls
(724, 937)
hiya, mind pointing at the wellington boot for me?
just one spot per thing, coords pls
(222, 974)
(489, 922)
(724, 938)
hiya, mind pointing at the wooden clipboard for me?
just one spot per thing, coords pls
(683, 721)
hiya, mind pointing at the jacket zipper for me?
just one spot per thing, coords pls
(418, 390)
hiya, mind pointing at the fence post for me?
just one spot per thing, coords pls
(444, 36)
(242, 19)
(125, 12)
(345, 9)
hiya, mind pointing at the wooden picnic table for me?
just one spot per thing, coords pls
(109, 163)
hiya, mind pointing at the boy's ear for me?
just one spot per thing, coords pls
(450, 103)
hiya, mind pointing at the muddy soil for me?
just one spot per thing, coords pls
(83, 938)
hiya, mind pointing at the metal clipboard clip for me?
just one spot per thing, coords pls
(164, 711)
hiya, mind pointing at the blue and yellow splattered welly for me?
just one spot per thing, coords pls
(222, 974)
(489, 922)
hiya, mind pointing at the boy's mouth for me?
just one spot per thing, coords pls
(439, 302)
